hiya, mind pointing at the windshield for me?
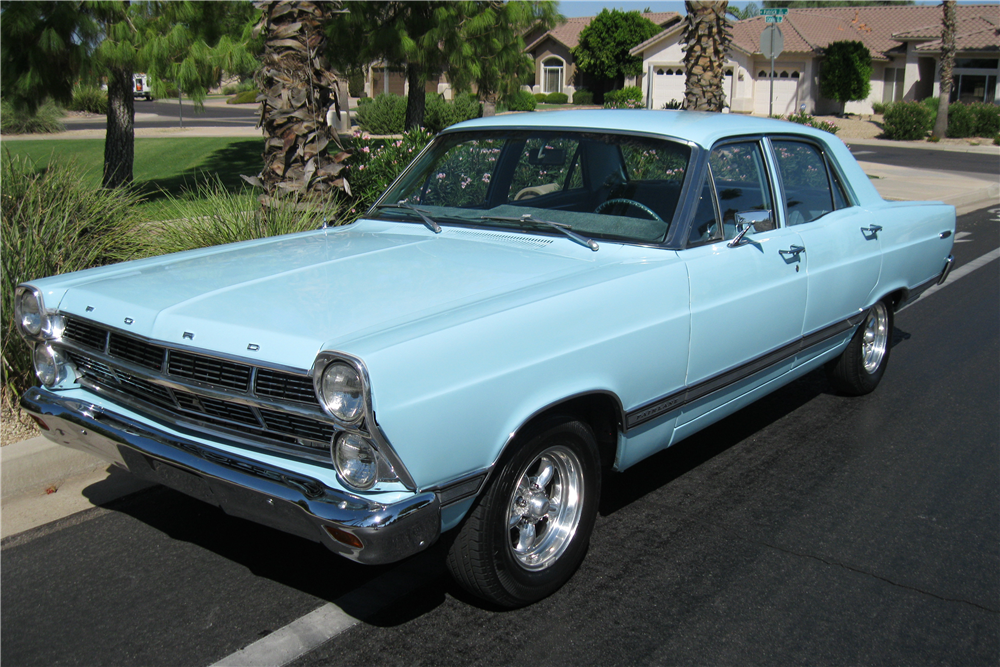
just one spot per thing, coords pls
(600, 185)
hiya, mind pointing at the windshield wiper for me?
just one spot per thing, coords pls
(424, 215)
(562, 227)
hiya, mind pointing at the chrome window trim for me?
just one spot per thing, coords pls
(830, 163)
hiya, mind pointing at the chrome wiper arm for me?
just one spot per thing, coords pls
(560, 226)
(424, 215)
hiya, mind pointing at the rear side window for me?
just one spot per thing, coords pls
(810, 190)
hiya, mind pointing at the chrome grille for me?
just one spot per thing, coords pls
(284, 385)
(86, 334)
(136, 351)
(208, 370)
(189, 402)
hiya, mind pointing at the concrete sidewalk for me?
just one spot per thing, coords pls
(42, 481)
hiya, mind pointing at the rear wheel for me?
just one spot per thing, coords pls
(861, 365)
(529, 530)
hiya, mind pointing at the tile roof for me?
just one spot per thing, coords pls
(977, 34)
(882, 29)
(568, 33)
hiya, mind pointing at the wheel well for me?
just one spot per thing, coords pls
(601, 411)
(896, 298)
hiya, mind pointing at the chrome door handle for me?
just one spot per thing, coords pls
(795, 250)
(872, 230)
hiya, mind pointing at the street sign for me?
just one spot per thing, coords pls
(772, 42)
(773, 19)
(774, 11)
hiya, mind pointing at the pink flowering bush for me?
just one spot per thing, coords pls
(375, 163)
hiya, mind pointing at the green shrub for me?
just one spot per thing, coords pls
(907, 121)
(802, 118)
(89, 98)
(385, 114)
(239, 87)
(215, 216)
(996, 140)
(823, 125)
(629, 97)
(961, 121)
(438, 113)
(583, 97)
(987, 119)
(375, 163)
(467, 107)
(50, 222)
(556, 98)
(879, 107)
(45, 119)
(245, 97)
(364, 100)
(522, 100)
(673, 105)
(540, 97)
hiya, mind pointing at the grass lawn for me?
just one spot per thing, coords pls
(162, 166)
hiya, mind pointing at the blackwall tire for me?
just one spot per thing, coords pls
(529, 530)
(860, 367)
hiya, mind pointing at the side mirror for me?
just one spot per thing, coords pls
(758, 221)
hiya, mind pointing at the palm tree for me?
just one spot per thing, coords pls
(303, 155)
(947, 65)
(707, 37)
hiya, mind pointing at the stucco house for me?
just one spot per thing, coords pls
(555, 67)
(905, 43)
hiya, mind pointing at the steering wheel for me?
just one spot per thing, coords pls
(631, 202)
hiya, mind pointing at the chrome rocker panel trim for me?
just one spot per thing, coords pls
(240, 486)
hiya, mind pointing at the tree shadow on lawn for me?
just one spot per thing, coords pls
(224, 166)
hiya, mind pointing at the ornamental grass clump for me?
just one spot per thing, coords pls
(44, 120)
(53, 223)
(213, 215)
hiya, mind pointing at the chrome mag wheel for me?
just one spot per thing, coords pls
(875, 339)
(545, 508)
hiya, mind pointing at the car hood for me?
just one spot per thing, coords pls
(282, 300)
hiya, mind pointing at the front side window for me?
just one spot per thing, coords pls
(602, 185)
(737, 180)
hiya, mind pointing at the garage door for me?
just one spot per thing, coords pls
(669, 83)
(786, 90)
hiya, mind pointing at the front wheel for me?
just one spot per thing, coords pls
(860, 367)
(529, 530)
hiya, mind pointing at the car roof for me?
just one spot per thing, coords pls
(699, 127)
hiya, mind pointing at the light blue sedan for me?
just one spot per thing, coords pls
(538, 300)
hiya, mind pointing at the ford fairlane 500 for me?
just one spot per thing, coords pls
(538, 300)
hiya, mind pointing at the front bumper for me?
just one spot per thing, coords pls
(354, 527)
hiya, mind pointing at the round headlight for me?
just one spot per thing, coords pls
(342, 392)
(356, 460)
(50, 365)
(28, 312)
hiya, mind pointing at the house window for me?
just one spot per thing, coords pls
(552, 75)
(892, 87)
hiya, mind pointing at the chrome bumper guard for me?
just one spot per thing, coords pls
(354, 527)
(948, 263)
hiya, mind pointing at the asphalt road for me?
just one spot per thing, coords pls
(809, 528)
(926, 158)
(165, 114)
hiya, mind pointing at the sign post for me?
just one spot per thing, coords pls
(771, 44)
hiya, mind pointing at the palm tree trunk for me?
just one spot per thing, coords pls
(303, 155)
(947, 65)
(119, 145)
(707, 37)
